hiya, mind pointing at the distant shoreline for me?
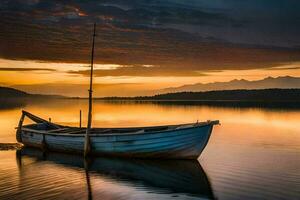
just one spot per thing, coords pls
(269, 98)
(260, 95)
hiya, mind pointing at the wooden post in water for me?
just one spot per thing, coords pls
(87, 145)
(80, 119)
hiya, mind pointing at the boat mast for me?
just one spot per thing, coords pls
(89, 123)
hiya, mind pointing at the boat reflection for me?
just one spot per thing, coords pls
(158, 176)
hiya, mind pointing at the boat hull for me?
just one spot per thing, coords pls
(186, 143)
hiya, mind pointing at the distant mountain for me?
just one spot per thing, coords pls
(13, 98)
(285, 82)
(7, 92)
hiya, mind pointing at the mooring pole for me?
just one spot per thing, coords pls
(87, 146)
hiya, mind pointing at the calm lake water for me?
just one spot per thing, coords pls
(254, 154)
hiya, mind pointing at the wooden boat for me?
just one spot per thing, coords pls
(183, 141)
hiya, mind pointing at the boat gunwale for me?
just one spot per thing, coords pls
(196, 125)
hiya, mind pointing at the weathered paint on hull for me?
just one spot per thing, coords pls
(187, 143)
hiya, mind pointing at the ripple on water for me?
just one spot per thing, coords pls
(60, 176)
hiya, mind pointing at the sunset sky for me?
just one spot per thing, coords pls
(145, 45)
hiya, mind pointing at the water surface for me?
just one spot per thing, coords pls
(254, 154)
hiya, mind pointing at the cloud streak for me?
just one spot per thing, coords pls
(25, 69)
(100, 90)
(142, 71)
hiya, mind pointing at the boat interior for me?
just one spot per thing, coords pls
(49, 128)
(44, 126)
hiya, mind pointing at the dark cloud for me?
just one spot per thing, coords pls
(24, 69)
(177, 35)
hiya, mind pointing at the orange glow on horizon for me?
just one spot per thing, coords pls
(57, 73)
